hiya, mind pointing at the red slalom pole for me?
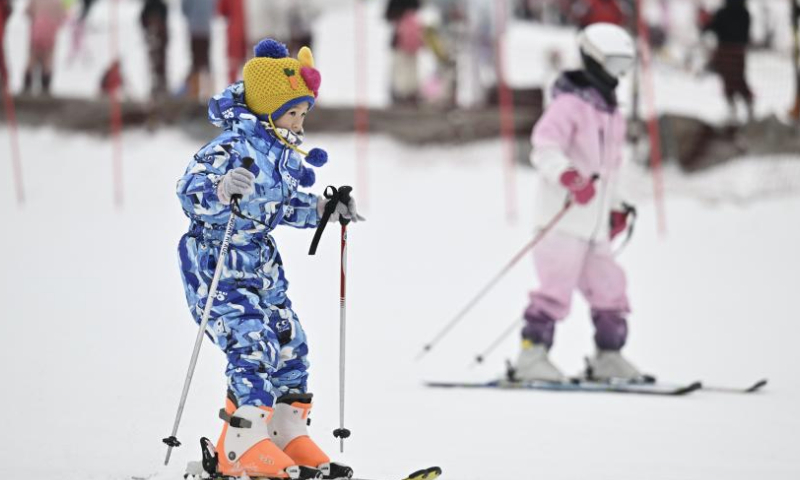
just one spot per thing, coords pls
(506, 101)
(460, 315)
(16, 158)
(116, 108)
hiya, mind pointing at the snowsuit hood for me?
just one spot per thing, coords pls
(599, 94)
(228, 111)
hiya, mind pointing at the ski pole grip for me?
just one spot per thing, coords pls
(247, 162)
(344, 197)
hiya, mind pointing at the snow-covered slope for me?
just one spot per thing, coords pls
(96, 336)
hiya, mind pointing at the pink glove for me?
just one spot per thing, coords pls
(582, 189)
(619, 219)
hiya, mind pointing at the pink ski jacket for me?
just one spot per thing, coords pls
(580, 129)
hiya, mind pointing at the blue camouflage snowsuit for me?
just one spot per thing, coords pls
(252, 319)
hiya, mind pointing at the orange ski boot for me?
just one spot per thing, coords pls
(289, 429)
(245, 447)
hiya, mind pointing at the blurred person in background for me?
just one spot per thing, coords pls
(267, 19)
(794, 113)
(444, 30)
(731, 26)
(79, 30)
(407, 41)
(198, 15)
(588, 12)
(156, 34)
(301, 17)
(288, 21)
(5, 12)
(578, 146)
(233, 12)
(529, 9)
(46, 18)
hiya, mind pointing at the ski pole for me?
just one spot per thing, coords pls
(536, 239)
(629, 210)
(172, 440)
(479, 358)
(334, 196)
(341, 433)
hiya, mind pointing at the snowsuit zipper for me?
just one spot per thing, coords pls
(603, 182)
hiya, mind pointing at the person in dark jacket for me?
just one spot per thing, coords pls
(731, 25)
(407, 40)
(198, 15)
(154, 22)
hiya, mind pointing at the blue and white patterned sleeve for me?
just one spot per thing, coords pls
(197, 189)
(301, 211)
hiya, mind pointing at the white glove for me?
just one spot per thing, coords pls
(348, 211)
(239, 181)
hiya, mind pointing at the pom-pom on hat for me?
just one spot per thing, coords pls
(317, 157)
(274, 82)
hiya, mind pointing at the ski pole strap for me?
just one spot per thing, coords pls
(630, 215)
(630, 211)
(334, 196)
(247, 162)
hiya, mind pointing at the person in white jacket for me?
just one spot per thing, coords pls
(578, 151)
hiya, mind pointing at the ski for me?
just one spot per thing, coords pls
(755, 387)
(206, 469)
(578, 385)
(430, 473)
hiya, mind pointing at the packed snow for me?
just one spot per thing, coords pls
(98, 337)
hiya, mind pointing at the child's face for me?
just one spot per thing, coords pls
(293, 118)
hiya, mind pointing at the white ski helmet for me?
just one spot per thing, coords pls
(610, 46)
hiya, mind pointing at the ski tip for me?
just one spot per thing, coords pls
(439, 384)
(689, 388)
(425, 474)
(757, 386)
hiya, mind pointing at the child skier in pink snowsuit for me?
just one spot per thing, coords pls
(46, 16)
(578, 151)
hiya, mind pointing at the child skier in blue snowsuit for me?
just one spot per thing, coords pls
(252, 319)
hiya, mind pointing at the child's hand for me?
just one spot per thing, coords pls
(582, 189)
(348, 211)
(239, 181)
(619, 219)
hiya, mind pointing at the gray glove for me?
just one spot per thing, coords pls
(238, 181)
(348, 211)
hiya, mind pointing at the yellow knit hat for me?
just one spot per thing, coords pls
(274, 82)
